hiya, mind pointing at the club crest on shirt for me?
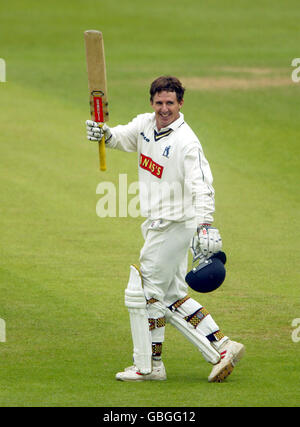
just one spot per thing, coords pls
(166, 152)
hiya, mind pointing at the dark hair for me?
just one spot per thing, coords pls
(169, 84)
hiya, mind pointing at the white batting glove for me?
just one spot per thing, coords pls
(206, 242)
(95, 131)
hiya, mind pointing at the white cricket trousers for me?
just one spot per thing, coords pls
(163, 264)
(164, 259)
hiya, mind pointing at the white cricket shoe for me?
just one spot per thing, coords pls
(130, 368)
(231, 353)
(131, 374)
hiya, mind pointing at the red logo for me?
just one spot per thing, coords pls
(98, 109)
(148, 164)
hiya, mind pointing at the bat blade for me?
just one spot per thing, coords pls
(96, 69)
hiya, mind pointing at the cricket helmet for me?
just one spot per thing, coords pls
(208, 275)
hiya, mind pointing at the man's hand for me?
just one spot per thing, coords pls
(95, 131)
(206, 242)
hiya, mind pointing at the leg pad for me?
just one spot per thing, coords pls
(136, 303)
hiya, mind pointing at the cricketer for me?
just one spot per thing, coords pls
(177, 200)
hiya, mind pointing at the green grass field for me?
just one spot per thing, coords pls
(63, 269)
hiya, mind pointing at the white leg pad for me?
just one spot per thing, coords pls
(136, 303)
(194, 336)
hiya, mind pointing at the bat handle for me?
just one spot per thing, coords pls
(102, 154)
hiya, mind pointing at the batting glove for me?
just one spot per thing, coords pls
(206, 242)
(96, 131)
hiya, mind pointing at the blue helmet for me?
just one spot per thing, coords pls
(208, 275)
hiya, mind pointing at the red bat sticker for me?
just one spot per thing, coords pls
(98, 109)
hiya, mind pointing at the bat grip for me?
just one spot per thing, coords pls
(102, 154)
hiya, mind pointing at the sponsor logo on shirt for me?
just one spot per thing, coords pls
(148, 164)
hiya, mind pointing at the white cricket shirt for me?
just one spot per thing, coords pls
(175, 180)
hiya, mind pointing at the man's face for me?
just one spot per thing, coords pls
(166, 108)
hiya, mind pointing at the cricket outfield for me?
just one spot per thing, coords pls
(64, 269)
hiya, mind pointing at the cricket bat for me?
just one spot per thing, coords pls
(96, 70)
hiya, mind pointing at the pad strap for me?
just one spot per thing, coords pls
(157, 323)
(195, 318)
(216, 336)
(152, 301)
(178, 303)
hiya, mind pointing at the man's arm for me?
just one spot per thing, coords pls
(207, 239)
(199, 179)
